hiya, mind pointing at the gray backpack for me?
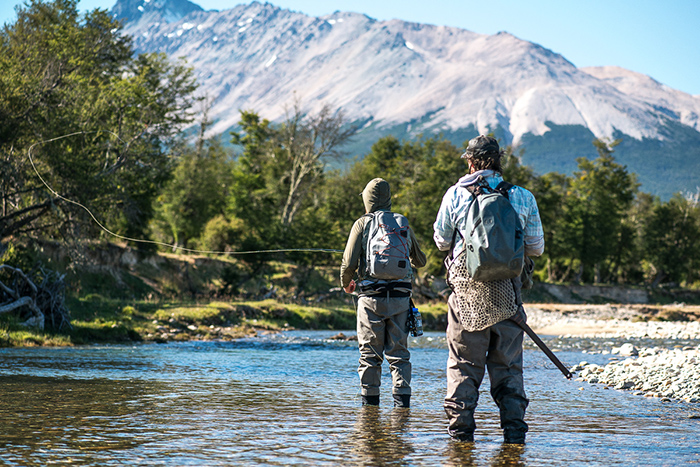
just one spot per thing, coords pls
(387, 246)
(493, 240)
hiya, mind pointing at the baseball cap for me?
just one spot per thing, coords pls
(482, 147)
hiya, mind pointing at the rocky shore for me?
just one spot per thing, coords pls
(668, 371)
(670, 374)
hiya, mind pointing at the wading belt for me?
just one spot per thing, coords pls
(387, 289)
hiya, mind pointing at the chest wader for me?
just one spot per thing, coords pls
(497, 349)
(382, 312)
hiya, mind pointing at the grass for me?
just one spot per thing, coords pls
(434, 316)
(13, 334)
(97, 319)
(168, 298)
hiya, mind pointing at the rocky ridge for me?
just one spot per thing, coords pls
(409, 79)
(389, 72)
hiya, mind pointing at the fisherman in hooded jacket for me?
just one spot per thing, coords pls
(382, 306)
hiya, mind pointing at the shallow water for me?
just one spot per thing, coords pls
(293, 399)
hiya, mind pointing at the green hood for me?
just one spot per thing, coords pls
(377, 196)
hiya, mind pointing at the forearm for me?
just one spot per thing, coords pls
(453, 203)
(351, 255)
(443, 230)
(418, 258)
(534, 246)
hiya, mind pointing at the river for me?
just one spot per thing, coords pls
(293, 399)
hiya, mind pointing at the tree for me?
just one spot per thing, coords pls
(305, 144)
(281, 172)
(628, 260)
(197, 192)
(600, 194)
(670, 240)
(514, 172)
(549, 191)
(95, 120)
(255, 195)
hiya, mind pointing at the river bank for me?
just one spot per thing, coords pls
(668, 371)
(619, 321)
(668, 374)
(98, 319)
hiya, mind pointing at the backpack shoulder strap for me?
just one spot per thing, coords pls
(503, 188)
(365, 230)
(454, 241)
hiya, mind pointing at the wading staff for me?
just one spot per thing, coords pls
(518, 319)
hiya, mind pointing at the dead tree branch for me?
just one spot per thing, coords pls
(39, 305)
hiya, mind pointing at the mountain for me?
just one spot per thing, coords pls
(148, 11)
(401, 78)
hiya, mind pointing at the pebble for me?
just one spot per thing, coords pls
(666, 374)
(620, 321)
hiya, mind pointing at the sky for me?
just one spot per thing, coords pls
(657, 38)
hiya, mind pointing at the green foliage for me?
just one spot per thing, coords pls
(515, 172)
(96, 121)
(599, 197)
(197, 192)
(20, 255)
(671, 240)
(255, 194)
(279, 188)
(222, 234)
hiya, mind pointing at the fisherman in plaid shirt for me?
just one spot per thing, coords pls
(499, 347)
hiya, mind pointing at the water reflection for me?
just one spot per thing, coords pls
(469, 454)
(380, 439)
(509, 455)
(460, 454)
(293, 399)
(47, 418)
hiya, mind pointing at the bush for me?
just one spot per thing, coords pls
(221, 234)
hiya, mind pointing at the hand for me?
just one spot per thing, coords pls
(350, 288)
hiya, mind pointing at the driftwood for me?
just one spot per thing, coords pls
(38, 298)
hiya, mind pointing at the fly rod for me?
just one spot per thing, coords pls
(518, 319)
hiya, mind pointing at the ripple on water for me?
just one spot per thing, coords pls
(293, 399)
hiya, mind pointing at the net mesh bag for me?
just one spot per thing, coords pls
(479, 304)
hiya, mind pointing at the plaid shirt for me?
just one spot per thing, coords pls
(454, 207)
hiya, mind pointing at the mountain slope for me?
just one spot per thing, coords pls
(678, 105)
(407, 78)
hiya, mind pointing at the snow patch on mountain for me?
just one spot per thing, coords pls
(261, 57)
(676, 104)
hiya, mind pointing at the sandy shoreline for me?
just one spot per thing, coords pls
(633, 321)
